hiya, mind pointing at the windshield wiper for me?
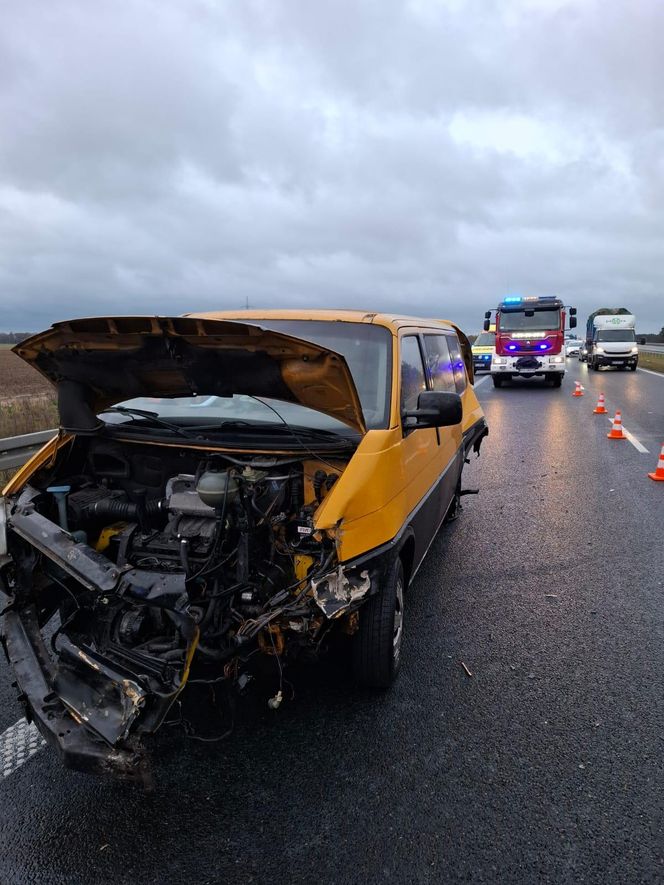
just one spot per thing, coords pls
(311, 434)
(151, 417)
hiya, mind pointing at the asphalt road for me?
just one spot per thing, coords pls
(546, 765)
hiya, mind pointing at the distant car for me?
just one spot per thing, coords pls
(572, 347)
(583, 353)
(483, 350)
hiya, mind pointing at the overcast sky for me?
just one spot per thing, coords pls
(425, 157)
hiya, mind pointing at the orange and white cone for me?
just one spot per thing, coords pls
(600, 408)
(658, 475)
(578, 390)
(617, 429)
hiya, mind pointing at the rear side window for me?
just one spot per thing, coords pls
(458, 366)
(412, 373)
(439, 363)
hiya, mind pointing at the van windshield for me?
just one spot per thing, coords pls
(616, 335)
(366, 348)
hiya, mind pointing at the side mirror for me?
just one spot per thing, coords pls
(486, 325)
(435, 408)
(487, 315)
(572, 311)
(572, 320)
(642, 341)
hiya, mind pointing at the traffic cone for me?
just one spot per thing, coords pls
(658, 475)
(600, 408)
(578, 390)
(616, 429)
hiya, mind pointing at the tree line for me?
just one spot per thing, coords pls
(13, 337)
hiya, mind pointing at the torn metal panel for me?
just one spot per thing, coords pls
(105, 699)
(337, 591)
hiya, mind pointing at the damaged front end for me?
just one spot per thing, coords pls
(133, 575)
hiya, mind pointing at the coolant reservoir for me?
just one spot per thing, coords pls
(214, 486)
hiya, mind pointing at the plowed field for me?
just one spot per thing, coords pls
(17, 379)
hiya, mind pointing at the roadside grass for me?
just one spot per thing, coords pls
(652, 361)
(25, 415)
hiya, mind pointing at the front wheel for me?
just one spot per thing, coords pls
(632, 368)
(497, 381)
(377, 643)
(556, 380)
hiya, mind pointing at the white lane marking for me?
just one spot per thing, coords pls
(481, 381)
(634, 441)
(650, 372)
(17, 744)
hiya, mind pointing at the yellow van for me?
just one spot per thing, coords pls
(225, 488)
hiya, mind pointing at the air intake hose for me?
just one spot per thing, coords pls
(112, 509)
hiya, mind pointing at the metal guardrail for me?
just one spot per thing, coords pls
(15, 450)
(651, 348)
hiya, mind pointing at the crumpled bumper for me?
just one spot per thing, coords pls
(78, 747)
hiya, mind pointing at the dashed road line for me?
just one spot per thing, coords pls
(17, 744)
(634, 441)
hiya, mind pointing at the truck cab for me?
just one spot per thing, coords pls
(611, 339)
(529, 338)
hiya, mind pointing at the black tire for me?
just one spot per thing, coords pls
(497, 381)
(557, 380)
(376, 645)
(632, 368)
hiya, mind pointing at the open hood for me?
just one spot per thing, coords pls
(100, 361)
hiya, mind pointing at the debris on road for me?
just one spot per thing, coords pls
(468, 673)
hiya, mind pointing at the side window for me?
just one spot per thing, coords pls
(439, 362)
(458, 366)
(412, 373)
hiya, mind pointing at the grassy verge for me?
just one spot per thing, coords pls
(652, 361)
(25, 415)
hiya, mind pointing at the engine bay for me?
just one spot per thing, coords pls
(143, 567)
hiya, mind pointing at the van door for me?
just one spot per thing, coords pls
(447, 373)
(420, 455)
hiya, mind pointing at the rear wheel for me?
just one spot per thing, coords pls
(377, 643)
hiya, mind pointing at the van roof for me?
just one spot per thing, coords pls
(393, 321)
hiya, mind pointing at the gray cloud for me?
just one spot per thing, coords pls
(421, 156)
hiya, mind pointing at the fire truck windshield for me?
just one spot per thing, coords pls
(540, 321)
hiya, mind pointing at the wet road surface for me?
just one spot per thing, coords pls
(547, 764)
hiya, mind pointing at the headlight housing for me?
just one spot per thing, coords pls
(500, 360)
(635, 350)
(557, 359)
(599, 349)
